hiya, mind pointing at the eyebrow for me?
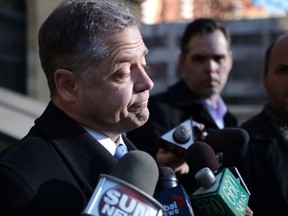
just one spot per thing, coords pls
(281, 66)
(208, 55)
(128, 58)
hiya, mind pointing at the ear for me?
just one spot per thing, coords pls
(66, 84)
(230, 56)
(264, 80)
(181, 61)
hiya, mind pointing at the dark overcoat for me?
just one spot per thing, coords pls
(54, 169)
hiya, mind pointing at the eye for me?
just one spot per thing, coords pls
(122, 74)
(198, 58)
(283, 69)
(218, 58)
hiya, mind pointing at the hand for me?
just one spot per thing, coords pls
(199, 132)
(249, 212)
(175, 161)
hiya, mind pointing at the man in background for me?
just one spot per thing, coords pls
(263, 162)
(205, 62)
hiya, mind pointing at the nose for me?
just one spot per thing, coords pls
(211, 66)
(142, 81)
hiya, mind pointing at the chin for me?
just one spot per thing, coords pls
(142, 117)
(137, 119)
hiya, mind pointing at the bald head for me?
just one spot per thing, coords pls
(276, 77)
(281, 41)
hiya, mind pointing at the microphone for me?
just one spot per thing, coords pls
(237, 175)
(198, 156)
(226, 139)
(219, 195)
(203, 166)
(201, 155)
(171, 195)
(179, 139)
(129, 188)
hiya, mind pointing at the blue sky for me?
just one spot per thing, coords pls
(273, 6)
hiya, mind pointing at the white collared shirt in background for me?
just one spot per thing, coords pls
(217, 111)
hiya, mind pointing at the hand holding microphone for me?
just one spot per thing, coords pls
(176, 162)
(178, 139)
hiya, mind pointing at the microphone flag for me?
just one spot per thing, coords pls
(175, 201)
(225, 197)
(179, 138)
(114, 196)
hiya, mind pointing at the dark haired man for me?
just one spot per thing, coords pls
(205, 62)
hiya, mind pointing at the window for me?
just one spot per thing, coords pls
(13, 45)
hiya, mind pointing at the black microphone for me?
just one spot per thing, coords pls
(226, 139)
(171, 195)
(197, 156)
(212, 191)
(200, 155)
(129, 188)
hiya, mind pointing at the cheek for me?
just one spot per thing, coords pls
(274, 90)
(224, 76)
(121, 97)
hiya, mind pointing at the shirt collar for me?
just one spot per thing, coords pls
(105, 141)
(217, 111)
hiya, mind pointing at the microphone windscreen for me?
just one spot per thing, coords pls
(139, 169)
(182, 134)
(200, 155)
(226, 138)
(167, 179)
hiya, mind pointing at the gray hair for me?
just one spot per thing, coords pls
(74, 36)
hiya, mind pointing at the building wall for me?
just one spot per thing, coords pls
(159, 11)
(37, 11)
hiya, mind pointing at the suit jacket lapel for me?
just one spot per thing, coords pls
(73, 144)
(182, 97)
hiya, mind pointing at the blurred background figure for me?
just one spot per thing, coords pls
(205, 62)
(263, 163)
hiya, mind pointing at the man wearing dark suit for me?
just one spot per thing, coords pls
(93, 56)
(263, 162)
(205, 62)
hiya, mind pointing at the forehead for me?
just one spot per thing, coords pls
(127, 41)
(280, 51)
(211, 42)
(124, 46)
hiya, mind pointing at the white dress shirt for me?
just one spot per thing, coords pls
(217, 111)
(105, 141)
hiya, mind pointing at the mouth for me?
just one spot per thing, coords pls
(138, 106)
(211, 82)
